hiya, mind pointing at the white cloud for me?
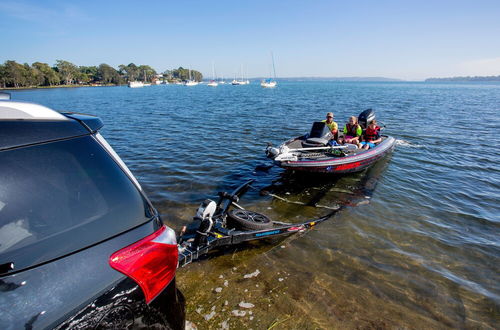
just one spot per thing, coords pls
(481, 67)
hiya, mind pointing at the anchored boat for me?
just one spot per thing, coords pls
(312, 152)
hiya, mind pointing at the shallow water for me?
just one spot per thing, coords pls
(417, 245)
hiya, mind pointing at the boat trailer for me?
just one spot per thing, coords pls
(225, 223)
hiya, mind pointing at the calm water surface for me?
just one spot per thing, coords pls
(417, 245)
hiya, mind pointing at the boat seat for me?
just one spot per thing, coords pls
(315, 142)
(319, 135)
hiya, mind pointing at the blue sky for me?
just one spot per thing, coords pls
(410, 40)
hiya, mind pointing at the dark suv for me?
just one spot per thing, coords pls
(81, 246)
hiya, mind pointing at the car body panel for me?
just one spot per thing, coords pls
(92, 123)
(60, 276)
(56, 290)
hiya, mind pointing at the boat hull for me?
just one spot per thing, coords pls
(342, 165)
(135, 84)
(271, 84)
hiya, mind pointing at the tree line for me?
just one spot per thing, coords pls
(38, 74)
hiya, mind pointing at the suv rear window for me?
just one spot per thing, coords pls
(60, 197)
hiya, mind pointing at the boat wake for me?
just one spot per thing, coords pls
(404, 143)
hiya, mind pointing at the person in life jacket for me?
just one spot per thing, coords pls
(352, 131)
(371, 135)
(334, 128)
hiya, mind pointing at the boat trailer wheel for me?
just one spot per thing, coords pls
(249, 219)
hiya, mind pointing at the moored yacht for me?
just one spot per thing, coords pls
(190, 82)
(135, 84)
(213, 82)
(270, 83)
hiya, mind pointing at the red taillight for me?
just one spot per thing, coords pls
(151, 262)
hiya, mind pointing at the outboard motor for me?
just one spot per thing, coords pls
(319, 136)
(204, 213)
(366, 117)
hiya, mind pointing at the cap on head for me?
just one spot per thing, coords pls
(329, 114)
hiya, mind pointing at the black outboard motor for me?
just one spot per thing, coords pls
(366, 117)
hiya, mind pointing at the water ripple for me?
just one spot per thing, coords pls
(421, 228)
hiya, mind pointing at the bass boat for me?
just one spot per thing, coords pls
(313, 153)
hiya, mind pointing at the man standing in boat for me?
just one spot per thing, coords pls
(334, 128)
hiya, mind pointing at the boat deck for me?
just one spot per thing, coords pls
(299, 143)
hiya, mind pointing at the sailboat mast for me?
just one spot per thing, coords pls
(274, 70)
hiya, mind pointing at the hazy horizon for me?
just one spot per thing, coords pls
(409, 41)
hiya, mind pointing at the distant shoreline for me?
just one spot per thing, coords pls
(465, 79)
(295, 79)
(56, 86)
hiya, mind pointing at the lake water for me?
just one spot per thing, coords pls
(417, 245)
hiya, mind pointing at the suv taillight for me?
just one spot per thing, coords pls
(151, 262)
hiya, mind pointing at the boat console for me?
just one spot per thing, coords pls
(319, 135)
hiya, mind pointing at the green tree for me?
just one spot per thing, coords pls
(180, 73)
(67, 70)
(32, 77)
(88, 74)
(168, 74)
(14, 74)
(130, 72)
(146, 73)
(50, 77)
(3, 76)
(196, 75)
(108, 74)
(183, 74)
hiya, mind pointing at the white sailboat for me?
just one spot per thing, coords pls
(241, 81)
(270, 83)
(235, 82)
(246, 81)
(190, 82)
(213, 82)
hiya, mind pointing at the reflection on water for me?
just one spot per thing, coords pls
(318, 279)
(415, 244)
